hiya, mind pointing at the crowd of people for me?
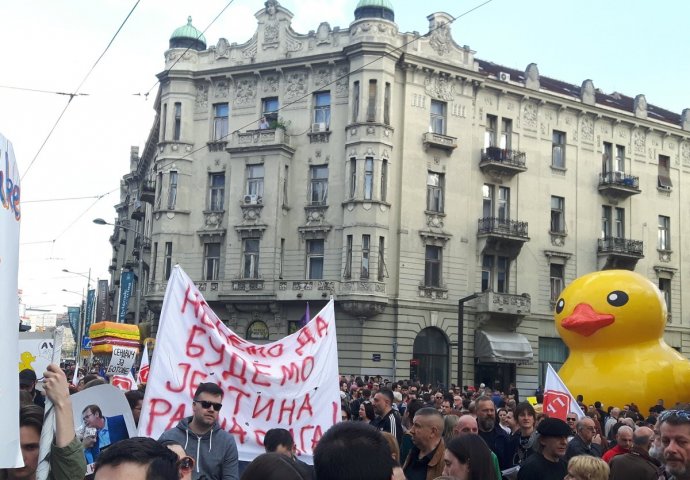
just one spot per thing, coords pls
(388, 431)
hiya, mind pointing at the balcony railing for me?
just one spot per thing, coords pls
(503, 155)
(619, 179)
(437, 140)
(502, 226)
(623, 246)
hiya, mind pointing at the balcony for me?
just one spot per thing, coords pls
(502, 307)
(620, 253)
(501, 163)
(260, 140)
(442, 142)
(618, 186)
(148, 191)
(501, 236)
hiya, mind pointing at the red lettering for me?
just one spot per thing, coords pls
(198, 378)
(176, 417)
(298, 372)
(303, 430)
(304, 338)
(204, 319)
(318, 433)
(336, 412)
(159, 407)
(194, 301)
(259, 435)
(283, 409)
(236, 341)
(308, 362)
(306, 407)
(278, 347)
(237, 430)
(240, 394)
(288, 373)
(186, 367)
(255, 379)
(237, 368)
(267, 406)
(195, 350)
(321, 326)
(220, 350)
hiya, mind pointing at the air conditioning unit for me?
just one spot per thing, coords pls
(618, 176)
(318, 127)
(665, 188)
(504, 76)
(251, 199)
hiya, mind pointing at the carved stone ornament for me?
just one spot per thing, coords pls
(588, 93)
(222, 48)
(640, 106)
(440, 87)
(245, 91)
(532, 77)
(685, 153)
(341, 84)
(685, 119)
(293, 45)
(188, 56)
(213, 219)
(271, 34)
(322, 77)
(639, 142)
(587, 129)
(440, 39)
(221, 89)
(296, 85)
(529, 115)
(434, 221)
(323, 34)
(252, 212)
(201, 101)
(270, 84)
(250, 51)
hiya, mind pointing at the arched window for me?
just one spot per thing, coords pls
(430, 350)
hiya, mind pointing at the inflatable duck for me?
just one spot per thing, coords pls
(613, 322)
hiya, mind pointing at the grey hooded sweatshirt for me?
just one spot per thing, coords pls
(215, 452)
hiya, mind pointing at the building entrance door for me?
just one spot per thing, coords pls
(431, 352)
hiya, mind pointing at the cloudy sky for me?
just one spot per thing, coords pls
(634, 46)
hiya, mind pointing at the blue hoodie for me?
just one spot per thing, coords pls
(215, 452)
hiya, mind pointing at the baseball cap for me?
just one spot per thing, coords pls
(27, 377)
(554, 427)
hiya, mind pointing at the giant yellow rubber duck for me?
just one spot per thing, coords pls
(613, 323)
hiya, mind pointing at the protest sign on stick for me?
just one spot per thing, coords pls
(121, 361)
(291, 383)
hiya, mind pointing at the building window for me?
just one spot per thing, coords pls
(665, 287)
(282, 258)
(315, 250)
(172, 190)
(211, 261)
(285, 185)
(665, 173)
(355, 101)
(619, 163)
(495, 273)
(368, 178)
(164, 122)
(220, 121)
(613, 163)
(503, 204)
(382, 262)
(250, 257)
(551, 351)
(371, 107)
(557, 282)
(387, 104)
(159, 189)
(255, 181)
(434, 192)
(437, 122)
(322, 111)
(318, 185)
(557, 214)
(167, 261)
(432, 266)
(664, 233)
(348, 257)
(612, 222)
(384, 180)
(487, 201)
(353, 177)
(366, 240)
(216, 194)
(619, 223)
(490, 132)
(178, 121)
(505, 142)
(154, 261)
(558, 150)
(269, 110)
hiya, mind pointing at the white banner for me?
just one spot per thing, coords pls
(143, 375)
(10, 217)
(558, 401)
(291, 383)
(122, 361)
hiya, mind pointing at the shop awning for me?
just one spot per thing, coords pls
(502, 347)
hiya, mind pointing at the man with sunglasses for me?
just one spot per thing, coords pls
(586, 440)
(674, 426)
(214, 450)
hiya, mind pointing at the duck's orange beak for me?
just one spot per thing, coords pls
(585, 321)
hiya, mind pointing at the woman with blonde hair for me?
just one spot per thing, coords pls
(587, 467)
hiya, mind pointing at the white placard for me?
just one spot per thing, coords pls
(122, 360)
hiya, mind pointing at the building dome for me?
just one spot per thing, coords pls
(375, 9)
(188, 37)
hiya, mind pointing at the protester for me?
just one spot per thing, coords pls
(586, 440)
(366, 413)
(27, 383)
(425, 460)
(624, 440)
(467, 425)
(587, 467)
(66, 454)
(213, 449)
(548, 462)
(138, 458)
(611, 421)
(468, 458)
(135, 398)
(674, 426)
(398, 473)
(522, 438)
(491, 432)
(637, 464)
(185, 462)
(353, 451)
(108, 430)
(449, 423)
(387, 419)
(279, 440)
(272, 466)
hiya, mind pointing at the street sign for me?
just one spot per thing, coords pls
(376, 357)
(86, 343)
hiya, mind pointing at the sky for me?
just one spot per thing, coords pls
(633, 46)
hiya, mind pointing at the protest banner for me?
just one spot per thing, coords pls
(291, 383)
(121, 361)
(49, 421)
(124, 382)
(143, 375)
(558, 402)
(10, 217)
(35, 351)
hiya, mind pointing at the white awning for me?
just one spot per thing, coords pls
(502, 347)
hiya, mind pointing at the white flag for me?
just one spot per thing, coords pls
(558, 401)
(124, 382)
(143, 375)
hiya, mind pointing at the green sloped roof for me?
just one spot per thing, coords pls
(375, 3)
(188, 31)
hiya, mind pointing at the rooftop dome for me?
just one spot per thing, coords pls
(188, 37)
(375, 9)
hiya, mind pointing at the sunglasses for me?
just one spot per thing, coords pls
(682, 414)
(185, 463)
(206, 405)
(574, 419)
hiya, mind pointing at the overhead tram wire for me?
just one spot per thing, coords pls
(309, 94)
(76, 91)
(38, 90)
(65, 199)
(146, 95)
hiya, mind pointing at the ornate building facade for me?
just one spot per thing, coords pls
(429, 192)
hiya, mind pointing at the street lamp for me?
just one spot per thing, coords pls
(84, 305)
(87, 277)
(100, 221)
(461, 333)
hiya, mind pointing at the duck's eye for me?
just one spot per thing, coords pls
(560, 305)
(617, 298)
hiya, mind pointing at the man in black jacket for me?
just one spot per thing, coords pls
(491, 432)
(387, 419)
(586, 440)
